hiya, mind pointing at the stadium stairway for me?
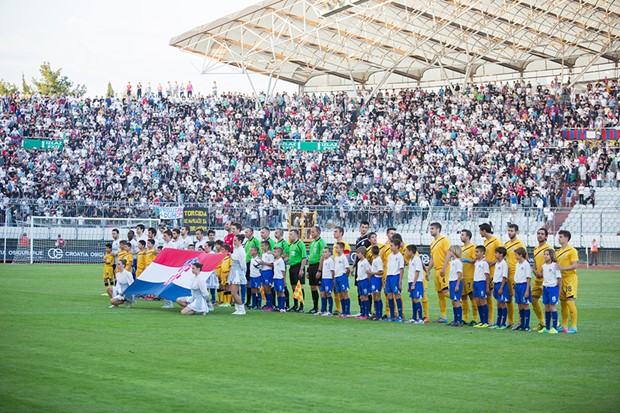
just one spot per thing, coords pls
(599, 222)
(560, 217)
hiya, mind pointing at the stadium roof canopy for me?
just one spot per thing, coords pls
(424, 42)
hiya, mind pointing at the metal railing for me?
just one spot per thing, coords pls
(583, 223)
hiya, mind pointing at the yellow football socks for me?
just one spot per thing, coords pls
(442, 305)
(538, 310)
(465, 305)
(572, 309)
(386, 309)
(337, 302)
(511, 313)
(424, 306)
(491, 308)
(474, 310)
(565, 313)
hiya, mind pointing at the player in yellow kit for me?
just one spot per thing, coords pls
(468, 256)
(491, 242)
(141, 259)
(108, 267)
(338, 237)
(511, 259)
(125, 254)
(439, 249)
(385, 253)
(151, 253)
(222, 271)
(568, 261)
(537, 288)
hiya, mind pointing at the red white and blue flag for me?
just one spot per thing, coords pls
(170, 274)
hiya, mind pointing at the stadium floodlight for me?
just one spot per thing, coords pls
(332, 7)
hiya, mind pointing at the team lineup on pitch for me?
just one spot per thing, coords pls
(252, 274)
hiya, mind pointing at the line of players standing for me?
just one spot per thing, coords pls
(301, 266)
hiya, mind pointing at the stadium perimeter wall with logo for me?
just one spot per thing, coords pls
(92, 251)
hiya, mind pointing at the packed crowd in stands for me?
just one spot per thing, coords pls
(481, 145)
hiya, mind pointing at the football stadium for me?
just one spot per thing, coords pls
(430, 222)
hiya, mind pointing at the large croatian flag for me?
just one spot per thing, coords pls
(170, 274)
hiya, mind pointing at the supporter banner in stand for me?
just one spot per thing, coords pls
(83, 252)
(196, 218)
(45, 144)
(574, 134)
(610, 134)
(309, 146)
(170, 212)
(583, 134)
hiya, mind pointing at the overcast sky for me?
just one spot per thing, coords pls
(118, 41)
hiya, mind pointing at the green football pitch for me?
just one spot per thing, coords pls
(63, 350)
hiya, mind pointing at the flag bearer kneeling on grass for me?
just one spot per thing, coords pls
(198, 301)
(523, 289)
(124, 279)
(500, 288)
(481, 286)
(552, 284)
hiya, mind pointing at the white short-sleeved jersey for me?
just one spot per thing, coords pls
(183, 243)
(200, 244)
(116, 247)
(267, 257)
(134, 246)
(456, 266)
(377, 265)
(415, 265)
(362, 267)
(279, 269)
(551, 274)
(340, 265)
(255, 267)
(395, 263)
(523, 271)
(327, 272)
(501, 271)
(481, 269)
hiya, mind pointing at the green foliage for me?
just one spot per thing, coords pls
(110, 92)
(63, 350)
(7, 88)
(54, 83)
(26, 89)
